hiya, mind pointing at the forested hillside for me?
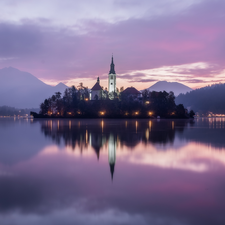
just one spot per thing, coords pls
(207, 99)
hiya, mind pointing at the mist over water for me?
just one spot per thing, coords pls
(95, 171)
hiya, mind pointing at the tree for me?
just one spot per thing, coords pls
(44, 107)
(191, 114)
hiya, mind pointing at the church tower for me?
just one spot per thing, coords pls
(112, 78)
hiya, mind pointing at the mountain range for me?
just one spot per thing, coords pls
(176, 87)
(23, 90)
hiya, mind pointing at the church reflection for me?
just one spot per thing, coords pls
(112, 153)
(80, 134)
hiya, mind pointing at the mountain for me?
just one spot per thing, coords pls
(176, 87)
(23, 90)
(206, 99)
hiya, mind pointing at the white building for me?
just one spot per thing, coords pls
(96, 91)
(112, 79)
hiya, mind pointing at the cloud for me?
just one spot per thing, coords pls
(201, 81)
(143, 80)
(56, 51)
(130, 76)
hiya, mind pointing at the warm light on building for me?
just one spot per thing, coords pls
(136, 113)
(150, 113)
(69, 113)
(147, 102)
(102, 113)
(86, 99)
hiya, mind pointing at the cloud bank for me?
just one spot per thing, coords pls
(75, 41)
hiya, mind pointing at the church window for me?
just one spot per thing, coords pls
(111, 77)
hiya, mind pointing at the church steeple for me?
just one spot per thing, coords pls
(112, 80)
(112, 69)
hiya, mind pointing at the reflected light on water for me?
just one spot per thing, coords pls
(150, 125)
(102, 125)
(135, 168)
(147, 134)
(193, 157)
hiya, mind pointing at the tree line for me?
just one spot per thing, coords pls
(75, 103)
(204, 100)
(11, 111)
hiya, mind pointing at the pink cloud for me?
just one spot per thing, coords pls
(197, 35)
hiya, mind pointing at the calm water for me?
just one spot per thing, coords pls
(112, 172)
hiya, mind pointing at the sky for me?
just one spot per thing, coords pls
(73, 41)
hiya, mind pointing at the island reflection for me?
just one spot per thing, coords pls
(164, 172)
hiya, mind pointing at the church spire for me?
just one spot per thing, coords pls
(112, 69)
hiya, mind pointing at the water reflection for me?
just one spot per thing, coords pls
(61, 171)
(109, 133)
(97, 133)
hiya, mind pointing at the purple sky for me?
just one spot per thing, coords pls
(72, 41)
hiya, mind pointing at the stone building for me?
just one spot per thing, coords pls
(96, 91)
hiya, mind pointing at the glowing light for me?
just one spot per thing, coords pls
(136, 113)
(147, 102)
(150, 113)
(86, 99)
(102, 113)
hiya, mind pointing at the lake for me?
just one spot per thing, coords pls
(95, 171)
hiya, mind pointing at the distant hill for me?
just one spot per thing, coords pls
(23, 90)
(206, 99)
(176, 87)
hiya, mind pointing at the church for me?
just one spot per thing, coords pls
(97, 92)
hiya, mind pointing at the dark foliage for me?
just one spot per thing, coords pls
(75, 103)
(204, 100)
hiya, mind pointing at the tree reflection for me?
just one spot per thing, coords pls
(79, 134)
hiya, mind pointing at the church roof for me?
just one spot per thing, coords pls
(96, 87)
(131, 91)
